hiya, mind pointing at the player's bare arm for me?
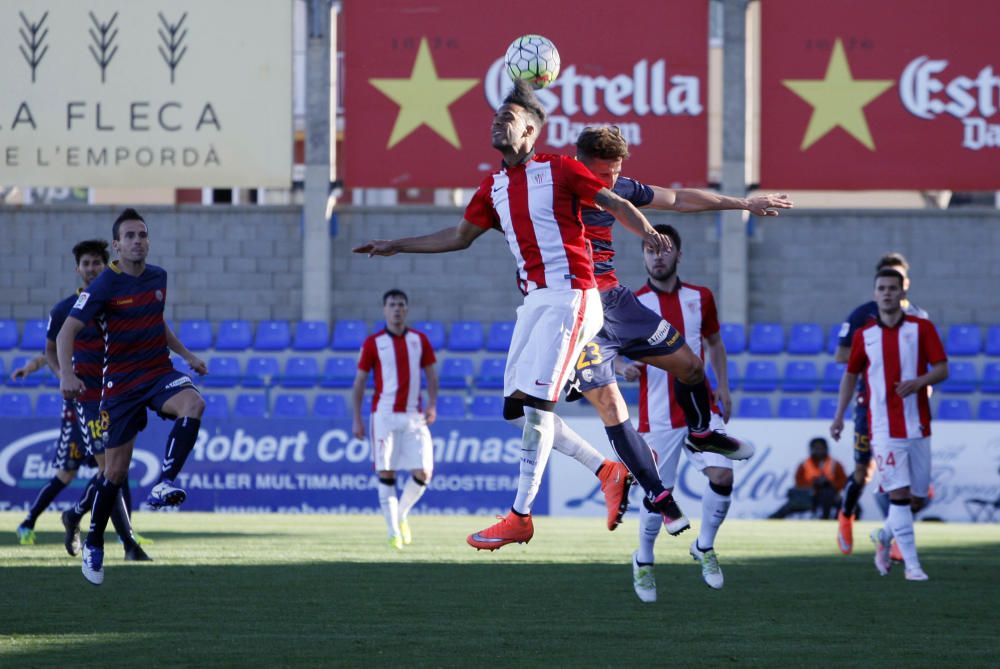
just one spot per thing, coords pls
(717, 355)
(442, 241)
(687, 200)
(70, 384)
(842, 354)
(936, 374)
(430, 411)
(357, 395)
(848, 383)
(30, 367)
(626, 213)
(177, 346)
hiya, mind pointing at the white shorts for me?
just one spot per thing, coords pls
(401, 441)
(551, 328)
(902, 463)
(668, 443)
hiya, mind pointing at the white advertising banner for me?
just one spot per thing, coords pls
(146, 93)
(965, 468)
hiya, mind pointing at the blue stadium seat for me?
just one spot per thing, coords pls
(795, 407)
(216, 405)
(801, 376)
(50, 405)
(339, 372)
(732, 375)
(378, 326)
(734, 336)
(766, 338)
(954, 409)
(30, 381)
(348, 335)
(262, 370)
(234, 335)
(196, 335)
(754, 407)
(301, 371)
(290, 405)
(311, 336)
(331, 406)
(451, 406)
(250, 405)
(805, 339)
(33, 337)
(630, 393)
(735, 378)
(8, 334)
(466, 336)
(833, 372)
(15, 405)
(962, 377)
(991, 378)
(499, 338)
(435, 333)
(490, 374)
(828, 408)
(833, 338)
(456, 372)
(989, 410)
(272, 336)
(963, 339)
(49, 378)
(223, 372)
(992, 341)
(486, 406)
(366, 406)
(761, 375)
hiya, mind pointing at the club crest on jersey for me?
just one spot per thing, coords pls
(159, 295)
(82, 300)
(660, 334)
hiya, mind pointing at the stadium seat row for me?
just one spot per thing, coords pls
(470, 336)
(295, 405)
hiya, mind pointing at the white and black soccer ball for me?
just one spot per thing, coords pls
(534, 59)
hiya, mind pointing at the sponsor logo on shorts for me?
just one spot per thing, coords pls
(82, 300)
(661, 333)
(176, 383)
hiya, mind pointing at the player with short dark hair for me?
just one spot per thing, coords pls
(861, 316)
(127, 301)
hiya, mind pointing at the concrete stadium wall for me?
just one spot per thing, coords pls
(243, 262)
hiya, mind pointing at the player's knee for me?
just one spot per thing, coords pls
(513, 408)
(387, 478)
(421, 476)
(116, 473)
(609, 403)
(195, 407)
(917, 503)
(692, 371)
(539, 403)
(721, 480)
(65, 476)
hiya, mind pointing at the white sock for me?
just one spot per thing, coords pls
(714, 508)
(412, 491)
(390, 507)
(536, 444)
(568, 442)
(649, 529)
(900, 523)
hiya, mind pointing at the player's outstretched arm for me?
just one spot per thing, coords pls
(29, 367)
(69, 383)
(687, 200)
(442, 241)
(626, 213)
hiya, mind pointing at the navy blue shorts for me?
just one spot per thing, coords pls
(71, 446)
(127, 414)
(630, 329)
(862, 441)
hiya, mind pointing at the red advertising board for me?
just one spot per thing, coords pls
(423, 77)
(858, 94)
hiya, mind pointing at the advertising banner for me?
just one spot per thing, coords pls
(872, 95)
(144, 93)
(423, 78)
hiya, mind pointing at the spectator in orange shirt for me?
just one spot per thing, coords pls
(818, 482)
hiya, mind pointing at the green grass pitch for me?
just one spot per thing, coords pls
(228, 590)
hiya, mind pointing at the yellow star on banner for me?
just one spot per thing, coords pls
(423, 99)
(838, 100)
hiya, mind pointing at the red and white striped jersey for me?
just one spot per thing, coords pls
(887, 356)
(537, 207)
(397, 361)
(691, 310)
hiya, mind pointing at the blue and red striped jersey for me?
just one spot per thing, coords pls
(88, 349)
(128, 311)
(599, 224)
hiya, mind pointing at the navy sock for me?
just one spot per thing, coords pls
(86, 501)
(104, 503)
(852, 493)
(120, 519)
(634, 452)
(179, 445)
(45, 497)
(696, 404)
(127, 496)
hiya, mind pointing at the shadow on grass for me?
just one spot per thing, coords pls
(772, 611)
(55, 538)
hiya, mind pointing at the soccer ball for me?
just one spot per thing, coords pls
(533, 58)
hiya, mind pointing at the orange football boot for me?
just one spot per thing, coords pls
(615, 483)
(511, 528)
